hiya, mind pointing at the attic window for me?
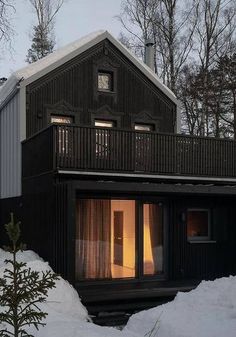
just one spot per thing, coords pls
(105, 81)
(58, 119)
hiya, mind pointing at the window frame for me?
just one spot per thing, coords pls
(152, 127)
(105, 65)
(102, 140)
(102, 120)
(62, 116)
(110, 76)
(199, 238)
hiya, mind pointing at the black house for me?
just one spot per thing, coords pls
(107, 190)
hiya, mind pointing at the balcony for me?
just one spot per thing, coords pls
(90, 149)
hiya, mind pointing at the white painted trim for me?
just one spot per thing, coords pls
(22, 112)
(152, 176)
(178, 119)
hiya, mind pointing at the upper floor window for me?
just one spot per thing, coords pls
(104, 124)
(58, 119)
(198, 224)
(143, 127)
(63, 142)
(105, 81)
(103, 138)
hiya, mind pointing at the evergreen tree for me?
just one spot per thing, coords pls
(42, 44)
(43, 40)
(21, 290)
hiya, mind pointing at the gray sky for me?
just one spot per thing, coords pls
(75, 19)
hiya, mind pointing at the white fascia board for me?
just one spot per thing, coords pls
(8, 89)
(22, 112)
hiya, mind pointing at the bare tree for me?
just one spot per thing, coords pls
(213, 35)
(6, 31)
(43, 37)
(167, 22)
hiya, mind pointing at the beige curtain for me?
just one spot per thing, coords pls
(93, 239)
(156, 232)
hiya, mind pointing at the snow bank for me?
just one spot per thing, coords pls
(207, 311)
(67, 317)
(63, 300)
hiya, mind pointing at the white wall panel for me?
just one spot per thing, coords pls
(10, 149)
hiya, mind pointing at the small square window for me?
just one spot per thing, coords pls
(58, 119)
(198, 224)
(105, 81)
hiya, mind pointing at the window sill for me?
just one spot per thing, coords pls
(201, 241)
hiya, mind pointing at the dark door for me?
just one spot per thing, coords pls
(118, 237)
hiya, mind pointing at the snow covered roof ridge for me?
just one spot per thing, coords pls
(38, 69)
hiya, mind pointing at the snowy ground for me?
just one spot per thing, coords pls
(207, 311)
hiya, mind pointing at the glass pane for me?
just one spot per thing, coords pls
(152, 239)
(105, 81)
(61, 120)
(104, 124)
(143, 127)
(105, 239)
(198, 224)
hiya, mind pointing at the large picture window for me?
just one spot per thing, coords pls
(105, 239)
(198, 224)
(107, 244)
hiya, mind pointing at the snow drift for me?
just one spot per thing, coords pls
(207, 311)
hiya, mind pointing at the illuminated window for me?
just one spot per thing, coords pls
(104, 124)
(103, 138)
(63, 132)
(61, 119)
(105, 239)
(153, 239)
(105, 81)
(142, 145)
(198, 224)
(143, 127)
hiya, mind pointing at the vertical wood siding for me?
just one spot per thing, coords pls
(10, 149)
(74, 85)
(203, 260)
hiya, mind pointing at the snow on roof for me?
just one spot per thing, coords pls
(36, 70)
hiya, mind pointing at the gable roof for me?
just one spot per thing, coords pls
(38, 69)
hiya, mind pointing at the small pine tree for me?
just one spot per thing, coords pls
(21, 290)
(42, 44)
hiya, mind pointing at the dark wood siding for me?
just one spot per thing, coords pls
(39, 214)
(72, 89)
(192, 260)
(45, 220)
(125, 151)
(6, 207)
(49, 226)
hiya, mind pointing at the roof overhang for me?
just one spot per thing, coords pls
(42, 67)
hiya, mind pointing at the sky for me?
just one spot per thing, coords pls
(75, 19)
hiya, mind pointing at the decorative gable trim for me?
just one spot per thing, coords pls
(62, 108)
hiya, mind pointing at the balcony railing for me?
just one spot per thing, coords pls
(111, 150)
